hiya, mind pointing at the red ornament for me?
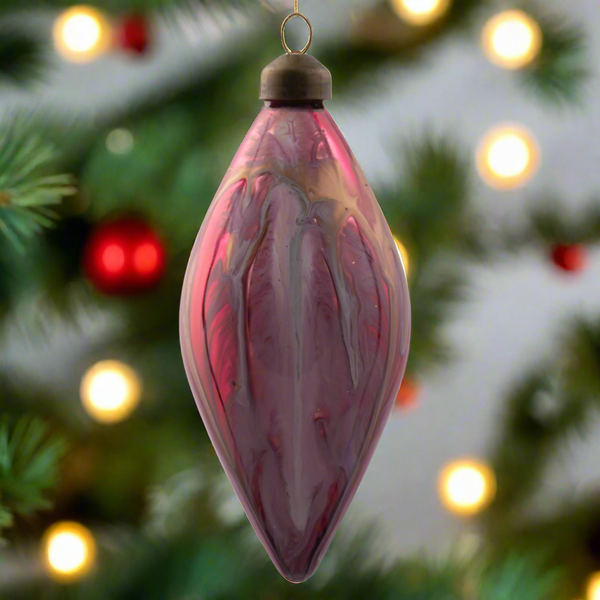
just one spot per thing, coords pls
(408, 394)
(569, 257)
(134, 34)
(124, 257)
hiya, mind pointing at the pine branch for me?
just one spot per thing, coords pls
(436, 291)
(518, 577)
(550, 223)
(560, 72)
(428, 209)
(29, 457)
(550, 403)
(428, 206)
(27, 193)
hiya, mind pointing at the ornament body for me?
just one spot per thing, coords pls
(295, 326)
(135, 34)
(569, 257)
(124, 257)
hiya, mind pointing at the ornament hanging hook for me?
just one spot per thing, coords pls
(291, 16)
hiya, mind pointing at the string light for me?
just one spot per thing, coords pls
(120, 141)
(68, 551)
(81, 34)
(420, 12)
(593, 587)
(110, 391)
(403, 254)
(466, 487)
(512, 39)
(508, 157)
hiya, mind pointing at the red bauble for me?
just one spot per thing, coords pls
(408, 394)
(124, 257)
(570, 258)
(134, 34)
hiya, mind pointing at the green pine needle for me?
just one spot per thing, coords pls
(29, 457)
(550, 223)
(517, 578)
(27, 193)
(561, 70)
(550, 405)
(428, 209)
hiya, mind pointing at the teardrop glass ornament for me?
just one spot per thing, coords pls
(295, 323)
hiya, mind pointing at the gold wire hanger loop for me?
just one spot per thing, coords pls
(284, 24)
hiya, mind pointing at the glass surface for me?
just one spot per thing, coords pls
(295, 326)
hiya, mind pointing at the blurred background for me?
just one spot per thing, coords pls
(475, 122)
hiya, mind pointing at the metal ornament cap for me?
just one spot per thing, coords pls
(295, 77)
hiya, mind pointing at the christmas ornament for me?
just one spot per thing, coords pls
(512, 39)
(68, 551)
(110, 391)
(569, 257)
(82, 34)
(134, 34)
(420, 12)
(124, 256)
(467, 487)
(407, 395)
(508, 157)
(295, 318)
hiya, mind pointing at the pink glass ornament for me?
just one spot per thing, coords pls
(295, 325)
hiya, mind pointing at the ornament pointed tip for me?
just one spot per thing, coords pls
(296, 577)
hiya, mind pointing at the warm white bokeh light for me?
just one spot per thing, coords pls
(512, 39)
(120, 141)
(593, 587)
(466, 487)
(508, 157)
(68, 551)
(420, 12)
(110, 391)
(81, 34)
(404, 255)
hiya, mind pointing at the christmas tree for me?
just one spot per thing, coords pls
(109, 487)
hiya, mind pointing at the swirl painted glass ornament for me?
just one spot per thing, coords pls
(295, 320)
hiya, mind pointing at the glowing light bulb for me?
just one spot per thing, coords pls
(593, 587)
(146, 258)
(120, 141)
(512, 39)
(466, 487)
(113, 258)
(68, 551)
(110, 391)
(420, 12)
(81, 34)
(404, 254)
(508, 157)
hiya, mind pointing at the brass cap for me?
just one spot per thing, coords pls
(295, 77)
